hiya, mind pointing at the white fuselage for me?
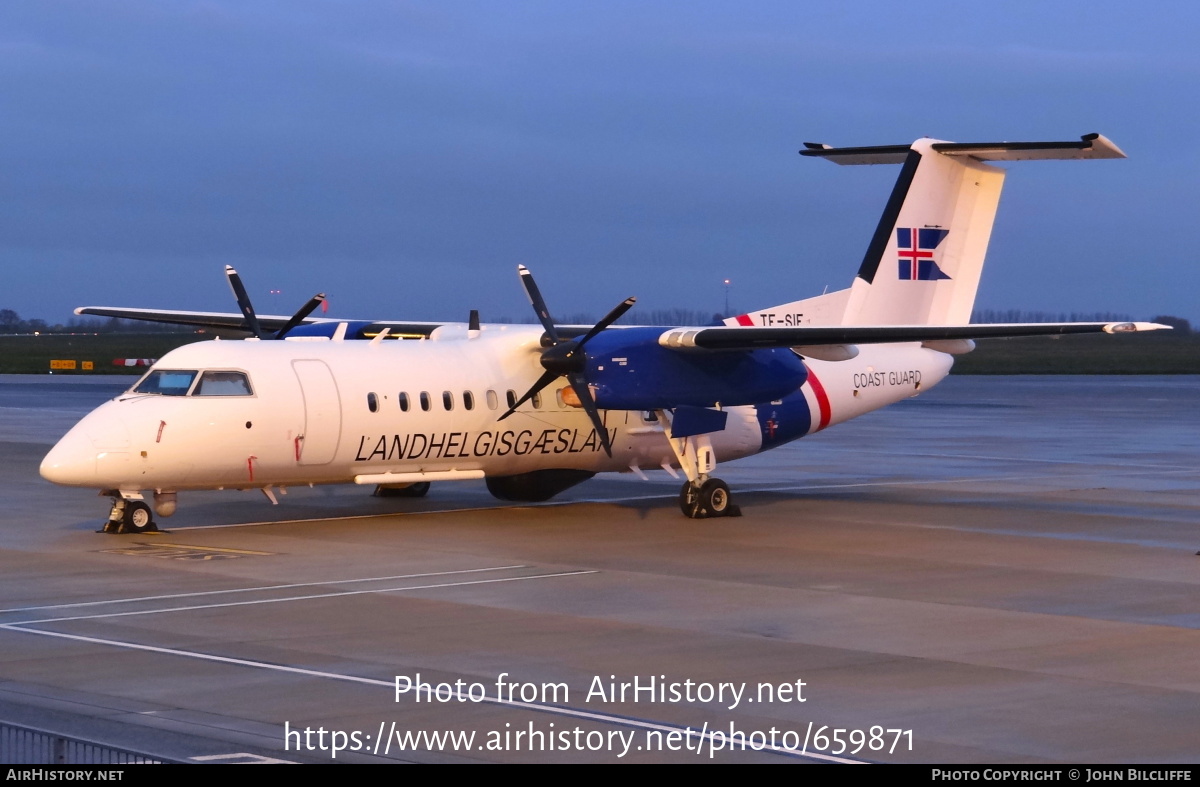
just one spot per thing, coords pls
(322, 412)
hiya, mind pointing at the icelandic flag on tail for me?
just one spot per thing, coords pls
(916, 246)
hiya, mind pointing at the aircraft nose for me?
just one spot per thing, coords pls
(72, 461)
(93, 454)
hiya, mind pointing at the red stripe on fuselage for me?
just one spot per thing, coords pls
(822, 400)
(744, 319)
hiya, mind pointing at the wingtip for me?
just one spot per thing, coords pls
(1136, 327)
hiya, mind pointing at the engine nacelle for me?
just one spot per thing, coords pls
(629, 370)
(355, 329)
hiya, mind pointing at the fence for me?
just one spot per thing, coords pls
(21, 745)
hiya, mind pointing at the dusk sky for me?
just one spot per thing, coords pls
(404, 157)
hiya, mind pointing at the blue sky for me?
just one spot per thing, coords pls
(405, 156)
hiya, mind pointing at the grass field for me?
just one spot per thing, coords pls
(32, 354)
(1159, 353)
(1155, 353)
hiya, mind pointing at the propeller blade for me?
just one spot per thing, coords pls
(566, 359)
(580, 386)
(539, 305)
(243, 301)
(299, 316)
(542, 382)
(608, 320)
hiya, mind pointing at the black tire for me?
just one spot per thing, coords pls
(419, 489)
(715, 498)
(689, 501)
(137, 517)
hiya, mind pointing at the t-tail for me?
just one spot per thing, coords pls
(924, 261)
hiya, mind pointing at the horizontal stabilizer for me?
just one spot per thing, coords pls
(1089, 146)
(725, 338)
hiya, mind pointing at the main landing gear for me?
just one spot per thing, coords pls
(702, 495)
(129, 516)
(711, 498)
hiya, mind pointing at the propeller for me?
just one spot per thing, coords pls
(566, 358)
(243, 302)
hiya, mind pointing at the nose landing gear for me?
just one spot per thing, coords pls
(129, 516)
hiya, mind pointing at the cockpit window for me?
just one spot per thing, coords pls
(166, 382)
(223, 384)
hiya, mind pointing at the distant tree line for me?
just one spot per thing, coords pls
(983, 316)
(11, 323)
(671, 317)
(631, 317)
(1180, 325)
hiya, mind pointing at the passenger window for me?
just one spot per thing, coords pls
(468, 400)
(493, 401)
(403, 402)
(512, 398)
(447, 400)
(537, 401)
(425, 401)
(372, 402)
(166, 382)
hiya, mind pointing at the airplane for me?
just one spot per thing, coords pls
(535, 409)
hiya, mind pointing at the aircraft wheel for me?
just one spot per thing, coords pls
(137, 518)
(419, 489)
(689, 501)
(715, 498)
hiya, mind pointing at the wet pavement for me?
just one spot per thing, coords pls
(1004, 566)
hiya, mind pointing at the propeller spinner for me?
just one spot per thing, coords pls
(243, 302)
(566, 358)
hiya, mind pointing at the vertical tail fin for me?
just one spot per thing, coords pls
(924, 261)
(923, 264)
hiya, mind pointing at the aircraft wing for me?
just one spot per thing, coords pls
(237, 322)
(749, 338)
